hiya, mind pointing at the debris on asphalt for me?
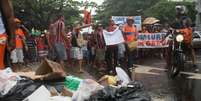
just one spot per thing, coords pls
(46, 85)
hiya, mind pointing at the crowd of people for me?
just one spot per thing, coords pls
(71, 48)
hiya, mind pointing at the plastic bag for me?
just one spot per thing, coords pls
(72, 83)
(8, 80)
(133, 92)
(59, 98)
(122, 76)
(86, 89)
(106, 94)
(21, 90)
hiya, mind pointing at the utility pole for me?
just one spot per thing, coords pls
(198, 16)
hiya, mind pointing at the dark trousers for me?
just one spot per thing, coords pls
(129, 57)
(7, 60)
(111, 57)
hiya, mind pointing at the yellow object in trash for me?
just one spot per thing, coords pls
(109, 80)
(132, 45)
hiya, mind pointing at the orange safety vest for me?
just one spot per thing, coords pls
(19, 38)
(187, 32)
(131, 30)
(3, 37)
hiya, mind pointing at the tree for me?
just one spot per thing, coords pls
(161, 9)
(39, 13)
(123, 8)
(165, 11)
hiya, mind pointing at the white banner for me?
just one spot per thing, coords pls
(152, 40)
(113, 38)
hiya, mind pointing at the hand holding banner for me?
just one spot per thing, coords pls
(113, 38)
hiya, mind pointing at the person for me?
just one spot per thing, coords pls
(183, 24)
(25, 50)
(32, 49)
(6, 32)
(91, 45)
(51, 33)
(99, 46)
(187, 32)
(111, 51)
(77, 43)
(58, 39)
(145, 30)
(75, 48)
(130, 35)
(41, 46)
(17, 55)
(85, 49)
(68, 44)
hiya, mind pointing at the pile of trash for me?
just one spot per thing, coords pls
(50, 83)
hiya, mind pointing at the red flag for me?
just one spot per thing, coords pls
(87, 17)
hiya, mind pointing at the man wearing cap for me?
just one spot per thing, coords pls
(111, 51)
(6, 28)
(130, 34)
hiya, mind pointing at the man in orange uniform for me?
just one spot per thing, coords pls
(130, 34)
(6, 28)
(17, 54)
(187, 32)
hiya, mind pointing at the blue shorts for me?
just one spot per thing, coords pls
(60, 51)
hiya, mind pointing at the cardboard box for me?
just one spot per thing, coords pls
(48, 70)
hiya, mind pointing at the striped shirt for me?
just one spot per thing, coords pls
(60, 29)
(99, 40)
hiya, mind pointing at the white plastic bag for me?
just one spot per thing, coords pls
(40, 94)
(86, 89)
(122, 76)
(8, 80)
(59, 98)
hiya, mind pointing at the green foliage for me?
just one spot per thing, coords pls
(123, 8)
(165, 11)
(39, 13)
(161, 9)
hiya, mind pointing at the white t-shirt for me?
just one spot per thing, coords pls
(2, 27)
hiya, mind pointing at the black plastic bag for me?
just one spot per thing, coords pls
(134, 92)
(21, 90)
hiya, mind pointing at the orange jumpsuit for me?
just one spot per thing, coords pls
(131, 31)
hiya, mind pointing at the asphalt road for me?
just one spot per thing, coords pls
(186, 87)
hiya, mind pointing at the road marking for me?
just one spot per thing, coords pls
(149, 70)
(192, 75)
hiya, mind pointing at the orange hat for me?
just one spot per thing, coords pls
(17, 20)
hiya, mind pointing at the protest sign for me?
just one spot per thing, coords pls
(152, 40)
(113, 38)
(121, 20)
